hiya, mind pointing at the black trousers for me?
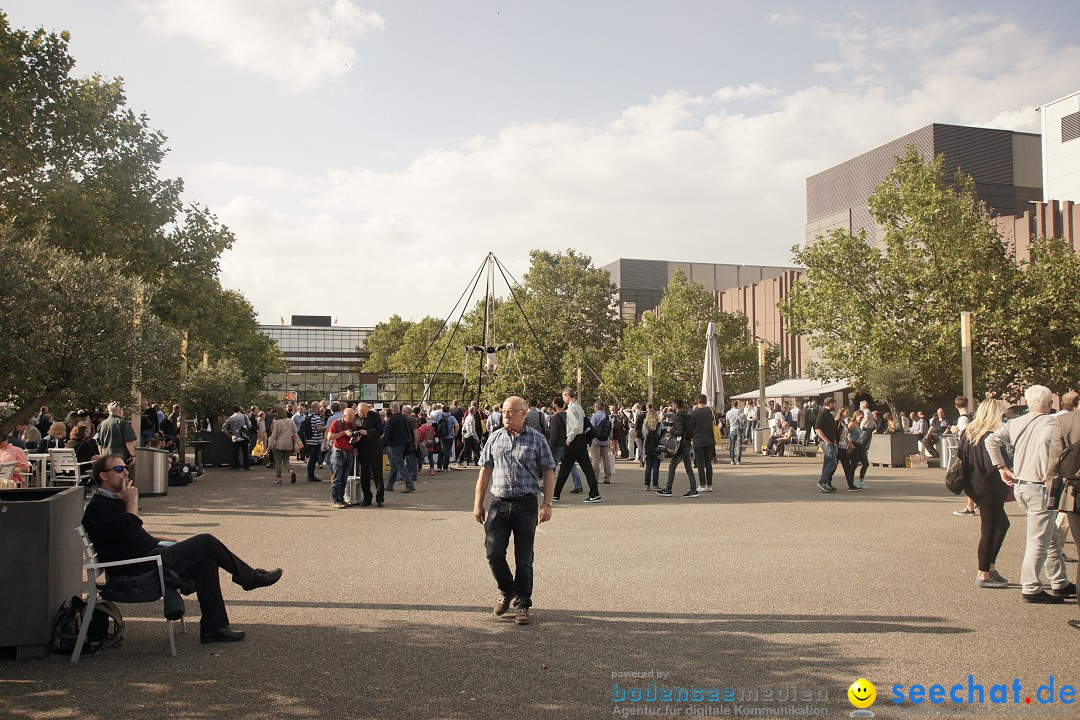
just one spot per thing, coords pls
(703, 456)
(198, 559)
(849, 461)
(684, 457)
(240, 455)
(503, 520)
(576, 452)
(371, 469)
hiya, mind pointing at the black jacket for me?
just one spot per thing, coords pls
(117, 534)
(370, 447)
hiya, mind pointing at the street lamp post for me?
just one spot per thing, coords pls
(650, 380)
(965, 354)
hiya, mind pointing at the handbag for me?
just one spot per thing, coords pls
(672, 443)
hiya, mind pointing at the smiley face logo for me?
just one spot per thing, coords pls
(862, 693)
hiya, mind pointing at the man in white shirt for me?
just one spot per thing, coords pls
(577, 449)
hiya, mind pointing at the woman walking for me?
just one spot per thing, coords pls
(281, 443)
(987, 489)
(846, 452)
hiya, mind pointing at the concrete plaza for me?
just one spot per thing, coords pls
(759, 586)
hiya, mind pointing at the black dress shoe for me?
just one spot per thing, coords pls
(1065, 592)
(366, 503)
(1042, 598)
(263, 578)
(225, 634)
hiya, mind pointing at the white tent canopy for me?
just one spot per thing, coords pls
(797, 388)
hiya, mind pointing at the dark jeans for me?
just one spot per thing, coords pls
(314, 456)
(703, 456)
(371, 469)
(652, 470)
(684, 457)
(471, 451)
(447, 448)
(341, 465)
(994, 524)
(828, 463)
(622, 446)
(862, 459)
(198, 559)
(576, 452)
(240, 455)
(848, 460)
(398, 469)
(519, 518)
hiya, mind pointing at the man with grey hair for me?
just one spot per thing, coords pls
(1030, 435)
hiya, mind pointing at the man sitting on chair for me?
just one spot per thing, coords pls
(490, 351)
(112, 521)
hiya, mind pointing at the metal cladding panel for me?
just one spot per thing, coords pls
(983, 153)
(850, 183)
(643, 274)
(615, 271)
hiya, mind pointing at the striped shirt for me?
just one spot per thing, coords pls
(517, 462)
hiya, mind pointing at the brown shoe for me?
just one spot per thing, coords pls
(502, 604)
(522, 616)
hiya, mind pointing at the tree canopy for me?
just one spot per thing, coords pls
(674, 336)
(869, 304)
(82, 176)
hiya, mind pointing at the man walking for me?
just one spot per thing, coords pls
(557, 439)
(577, 448)
(1065, 435)
(682, 427)
(513, 463)
(825, 429)
(311, 432)
(704, 442)
(535, 418)
(737, 423)
(1030, 437)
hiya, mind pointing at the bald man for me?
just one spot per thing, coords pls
(514, 460)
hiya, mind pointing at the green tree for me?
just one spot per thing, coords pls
(211, 391)
(866, 304)
(675, 338)
(68, 326)
(81, 172)
(1045, 310)
(383, 343)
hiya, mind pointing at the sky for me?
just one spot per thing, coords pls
(368, 155)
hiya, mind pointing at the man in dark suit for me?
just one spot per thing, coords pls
(112, 521)
(1066, 433)
(369, 453)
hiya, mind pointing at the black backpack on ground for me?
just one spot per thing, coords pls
(106, 627)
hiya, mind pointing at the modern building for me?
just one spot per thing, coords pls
(1061, 148)
(641, 283)
(1006, 167)
(321, 358)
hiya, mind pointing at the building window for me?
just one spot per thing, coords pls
(1070, 127)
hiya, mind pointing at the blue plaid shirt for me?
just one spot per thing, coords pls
(517, 463)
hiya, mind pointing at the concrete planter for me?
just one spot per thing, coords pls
(41, 563)
(891, 450)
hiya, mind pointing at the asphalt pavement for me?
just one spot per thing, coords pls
(764, 597)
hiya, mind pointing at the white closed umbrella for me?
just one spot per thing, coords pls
(712, 380)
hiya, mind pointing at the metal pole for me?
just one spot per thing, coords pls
(650, 380)
(579, 383)
(761, 413)
(183, 405)
(965, 354)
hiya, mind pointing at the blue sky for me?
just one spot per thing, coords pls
(400, 141)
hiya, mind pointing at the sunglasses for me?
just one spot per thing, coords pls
(119, 468)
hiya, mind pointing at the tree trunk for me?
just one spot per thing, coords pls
(23, 414)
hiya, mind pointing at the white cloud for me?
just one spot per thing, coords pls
(788, 16)
(717, 177)
(300, 43)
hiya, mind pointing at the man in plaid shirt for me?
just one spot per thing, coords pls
(512, 463)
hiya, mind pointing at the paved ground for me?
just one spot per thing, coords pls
(762, 585)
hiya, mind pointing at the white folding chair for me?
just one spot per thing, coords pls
(65, 468)
(800, 443)
(93, 568)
